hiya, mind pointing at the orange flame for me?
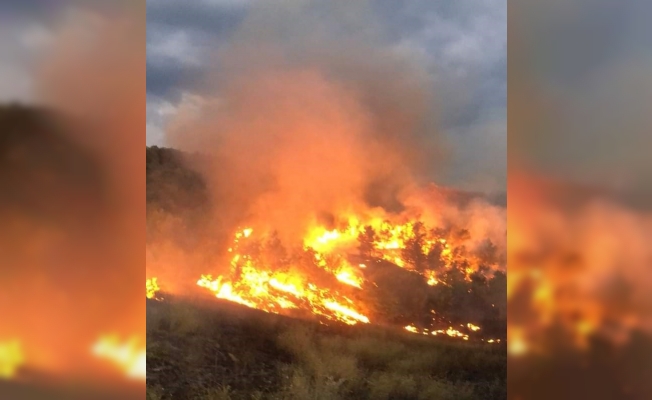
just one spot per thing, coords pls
(129, 355)
(278, 290)
(151, 288)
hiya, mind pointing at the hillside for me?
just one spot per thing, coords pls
(207, 349)
(210, 348)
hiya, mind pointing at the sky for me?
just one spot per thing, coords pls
(591, 58)
(461, 44)
(580, 92)
(25, 32)
(29, 30)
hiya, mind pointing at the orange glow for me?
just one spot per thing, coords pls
(127, 355)
(11, 358)
(449, 332)
(516, 344)
(565, 260)
(345, 314)
(431, 278)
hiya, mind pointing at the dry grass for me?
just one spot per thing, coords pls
(228, 352)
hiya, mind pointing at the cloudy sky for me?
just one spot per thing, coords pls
(579, 77)
(591, 58)
(461, 43)
(25, 32)
(29, 30)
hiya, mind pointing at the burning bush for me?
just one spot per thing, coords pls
(378, 267)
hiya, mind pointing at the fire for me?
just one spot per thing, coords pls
(348, 277)
(275, 291)
(389, 241)
(565, 260)
(516, 345)
(449, 332)
(321, 278)
(128, 355)
(151, 288)
(431, 278)
(345, 314)
(222, 291)
(472, 327)
(11, 358)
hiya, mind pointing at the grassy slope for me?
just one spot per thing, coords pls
(209, 349)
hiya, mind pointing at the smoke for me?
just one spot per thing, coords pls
(310, 115)
(582, 260)
(72, 260)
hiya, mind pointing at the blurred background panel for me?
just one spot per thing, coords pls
(579, 195)
(72, 189)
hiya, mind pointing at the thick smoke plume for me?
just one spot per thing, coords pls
(306, 124)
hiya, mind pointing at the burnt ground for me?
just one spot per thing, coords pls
(205, 348)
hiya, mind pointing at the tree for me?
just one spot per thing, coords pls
(488, 252)
(413, 253)
(434, 261)
(367, 243)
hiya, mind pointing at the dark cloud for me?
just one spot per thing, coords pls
(212, 18)
(176, 29)
(168, 79)
(569, 43)
(586, 64)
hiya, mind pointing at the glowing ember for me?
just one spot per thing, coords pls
(516, 345)
(449, 332)
(472, 327)
(151, 288)
(11, 358)
(129, 356)
(432, 280)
